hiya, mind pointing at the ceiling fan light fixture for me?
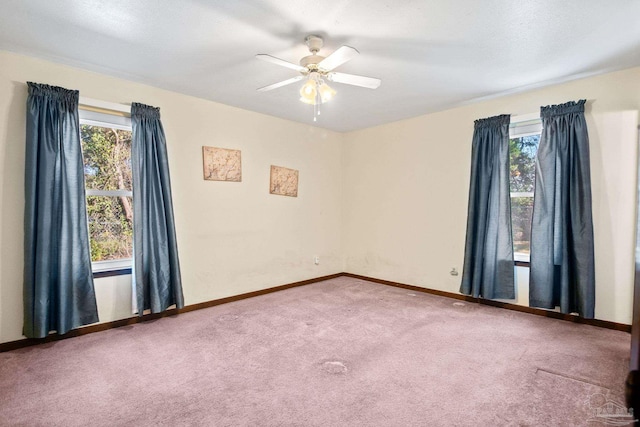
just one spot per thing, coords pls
(326, 92)
(309, 92)
(316, 91)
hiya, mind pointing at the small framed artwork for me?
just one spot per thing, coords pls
(284, 181)
(221, 164)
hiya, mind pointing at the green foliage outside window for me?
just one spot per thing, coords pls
(522, 158)
(522, 163)
(107, 166)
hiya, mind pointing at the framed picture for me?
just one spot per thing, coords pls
(283, 181)
(221, 164)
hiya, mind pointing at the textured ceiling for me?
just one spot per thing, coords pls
(430, 55)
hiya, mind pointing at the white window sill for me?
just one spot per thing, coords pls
(116, 264)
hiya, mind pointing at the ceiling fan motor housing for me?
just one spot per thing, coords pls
(314, 43)
(311, 61)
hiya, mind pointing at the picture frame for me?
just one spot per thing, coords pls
(221, 164)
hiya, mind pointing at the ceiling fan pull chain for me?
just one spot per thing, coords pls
(315, 111)
(316, 104)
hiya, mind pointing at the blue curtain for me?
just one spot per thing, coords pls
(562, 259)
(488, 257)
(156, 268)
(58, 281)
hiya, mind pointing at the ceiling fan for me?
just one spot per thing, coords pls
(316, 69)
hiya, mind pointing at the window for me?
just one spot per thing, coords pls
(524, 137)
(106, 150)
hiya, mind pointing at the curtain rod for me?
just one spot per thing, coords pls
(105, 107)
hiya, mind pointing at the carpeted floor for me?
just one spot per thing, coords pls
(343, 352)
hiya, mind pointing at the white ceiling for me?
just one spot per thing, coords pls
(430, 54)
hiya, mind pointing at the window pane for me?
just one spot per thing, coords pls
(522, 164)
(521, 215)
(107, 157)
(110, 227)
(522, 158)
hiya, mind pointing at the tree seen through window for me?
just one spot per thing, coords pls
(107, 168)
(522, 155)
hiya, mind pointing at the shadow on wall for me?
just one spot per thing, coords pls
(12, 214)
(613, 138)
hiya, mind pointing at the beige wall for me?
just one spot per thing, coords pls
(388, 202)
(407, 183)
(232, 237)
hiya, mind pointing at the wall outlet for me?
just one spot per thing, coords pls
(316, 260)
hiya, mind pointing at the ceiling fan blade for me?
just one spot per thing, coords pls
(280, 84)
(352, 79)
(337, 58)
(281, 62)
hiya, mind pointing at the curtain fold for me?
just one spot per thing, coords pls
(562, 254)
(58, 282)
(156, 271)
(488, 257)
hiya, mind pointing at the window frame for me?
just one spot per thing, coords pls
(99, 113)
(521, 126)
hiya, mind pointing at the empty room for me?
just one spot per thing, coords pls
(319, 213)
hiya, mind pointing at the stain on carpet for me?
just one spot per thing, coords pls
(228, 317)
(334, 367)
